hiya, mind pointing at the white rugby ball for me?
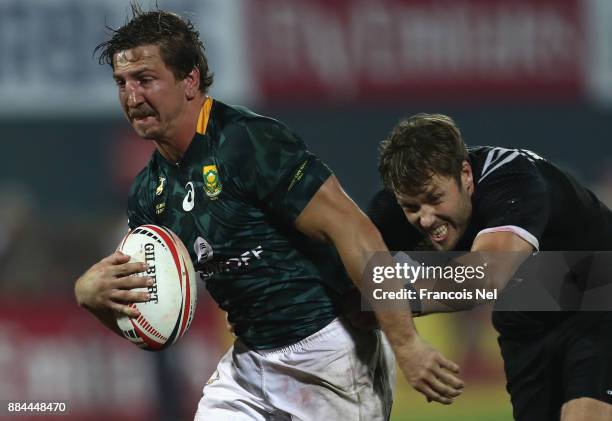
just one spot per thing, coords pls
(165, 318)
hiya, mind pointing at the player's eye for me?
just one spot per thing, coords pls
(120, 82)
(410, 208)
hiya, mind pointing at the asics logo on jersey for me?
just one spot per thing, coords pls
(189, 200)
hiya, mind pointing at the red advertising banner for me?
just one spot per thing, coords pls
(52, 351)
(456, 50)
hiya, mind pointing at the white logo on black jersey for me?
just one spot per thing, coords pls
(207, 269)
(203, 250)
(496, 158)
(532, 156)
(189, 200)
(501, 156)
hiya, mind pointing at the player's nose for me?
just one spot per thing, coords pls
(426, 218)
(134, 97)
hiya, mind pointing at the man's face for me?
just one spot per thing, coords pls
(442, 212)
(150, 96)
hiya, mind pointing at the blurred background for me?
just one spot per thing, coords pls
(535, 74)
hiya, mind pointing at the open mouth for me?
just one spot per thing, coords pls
(439, 234)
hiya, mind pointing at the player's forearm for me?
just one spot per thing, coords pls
(361, 250)
(451, 295)
(331, 216)
(448, 298)
(440, 306)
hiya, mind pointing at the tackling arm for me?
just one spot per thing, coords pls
(332, 216)
(502, 252)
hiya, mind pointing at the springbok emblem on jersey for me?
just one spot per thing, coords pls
(160, 188)
(212, 185)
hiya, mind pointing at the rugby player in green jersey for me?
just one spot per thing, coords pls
(273, 236)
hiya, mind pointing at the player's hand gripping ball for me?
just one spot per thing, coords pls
(165, 318)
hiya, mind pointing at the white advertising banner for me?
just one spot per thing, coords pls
(46, 48)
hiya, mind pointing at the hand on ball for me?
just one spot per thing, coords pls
(108, 284)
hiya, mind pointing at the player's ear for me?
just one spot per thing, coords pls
(192, 83)
(467, 177)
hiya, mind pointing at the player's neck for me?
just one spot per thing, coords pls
(173, 147)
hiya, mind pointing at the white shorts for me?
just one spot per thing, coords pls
(338, 373)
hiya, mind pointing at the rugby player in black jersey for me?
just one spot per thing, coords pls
(489, 199)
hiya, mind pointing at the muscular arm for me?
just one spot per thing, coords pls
(332, 216)
(502, 252)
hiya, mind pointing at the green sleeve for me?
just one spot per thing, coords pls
(272, 166)
(140, 206)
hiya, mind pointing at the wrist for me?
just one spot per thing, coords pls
(398, 327)
(77, 293)
(81, 295)
(416, 307)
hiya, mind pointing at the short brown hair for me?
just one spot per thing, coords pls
(179, 43)
(418, 148)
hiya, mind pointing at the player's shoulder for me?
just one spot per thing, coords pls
(510, 189)
(491, 164)
(239, 127)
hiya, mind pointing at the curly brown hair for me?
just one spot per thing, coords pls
(179, 43)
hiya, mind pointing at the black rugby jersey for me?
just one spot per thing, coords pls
(233, 200)
(514, 190)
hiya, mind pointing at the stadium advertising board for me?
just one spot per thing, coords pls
(314, 50)
(52, 352)
(458, 50)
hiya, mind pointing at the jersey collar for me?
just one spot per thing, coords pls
(204, 115)
(194, 149)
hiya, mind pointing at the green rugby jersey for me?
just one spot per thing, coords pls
(232, 200)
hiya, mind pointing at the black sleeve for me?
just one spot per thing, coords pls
(513, 198)
(390, 220)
